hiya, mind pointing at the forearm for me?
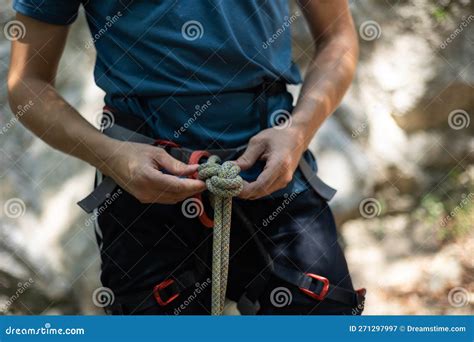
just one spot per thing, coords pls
(54, 121)
(328, 77)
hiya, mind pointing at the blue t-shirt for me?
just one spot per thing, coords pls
(182, 64)
(171, 47)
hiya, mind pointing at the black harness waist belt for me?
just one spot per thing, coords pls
(107, 186)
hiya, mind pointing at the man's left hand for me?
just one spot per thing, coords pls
(281, 149)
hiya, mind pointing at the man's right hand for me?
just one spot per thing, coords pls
(137, 168)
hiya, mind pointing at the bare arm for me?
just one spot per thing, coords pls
(329, 75)
(332, 67)
(33, 68)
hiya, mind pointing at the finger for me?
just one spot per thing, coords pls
(176, 167)
(163, 183)
(265, 184)
(244, 193)
(168, 198)
(250, 156)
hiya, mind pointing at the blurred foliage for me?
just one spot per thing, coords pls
(440, 14)
(449, 209)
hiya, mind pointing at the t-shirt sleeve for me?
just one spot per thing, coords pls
(59, 12)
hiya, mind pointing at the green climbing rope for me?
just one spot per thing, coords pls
(224, 182)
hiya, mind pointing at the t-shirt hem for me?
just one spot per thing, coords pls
(42, 16)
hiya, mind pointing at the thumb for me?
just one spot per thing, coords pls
(176, 167)
(250, 156)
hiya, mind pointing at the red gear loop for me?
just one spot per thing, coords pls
(194, 158)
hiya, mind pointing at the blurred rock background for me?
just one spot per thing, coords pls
(399, 149)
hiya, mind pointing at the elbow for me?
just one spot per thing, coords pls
(355, 47)
(347, 44)
(12, 91)
(348, 41)
(342, 41)
(341, 48)
(19, 94)
(13, 87)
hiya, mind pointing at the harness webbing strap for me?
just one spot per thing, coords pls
(163, 293)
(98, 196)
(324, 190)
(101, 192)
(124, 134)
(305, 282)
(248, 304)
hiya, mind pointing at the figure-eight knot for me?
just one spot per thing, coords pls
(224, 182)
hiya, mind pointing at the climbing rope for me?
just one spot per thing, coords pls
(224, 182)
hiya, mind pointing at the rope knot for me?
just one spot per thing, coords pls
(222, 180)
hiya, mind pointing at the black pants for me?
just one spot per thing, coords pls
(141, 245)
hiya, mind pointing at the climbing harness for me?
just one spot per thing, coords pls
(224, 182)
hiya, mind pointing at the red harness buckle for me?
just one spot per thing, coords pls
(156, 292)
(165, 143)
(205, 220)
(324, 291)
(194, 158)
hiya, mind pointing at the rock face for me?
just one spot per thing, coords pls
(49, 261)
(398, 149)
(410, 106)
(415, 83)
